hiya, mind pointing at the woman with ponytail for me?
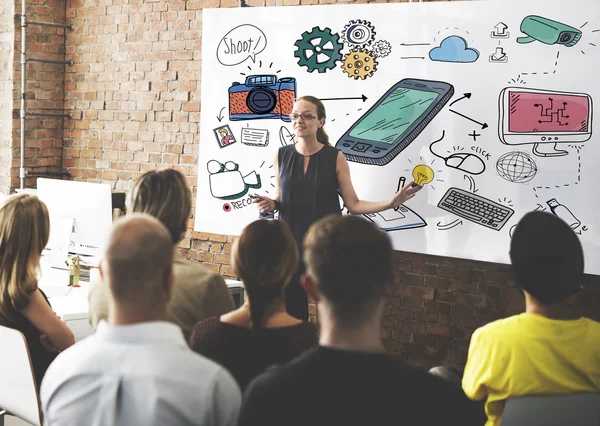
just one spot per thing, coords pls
(311, 174)
(260, 333)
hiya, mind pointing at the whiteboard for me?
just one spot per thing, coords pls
(494, 99)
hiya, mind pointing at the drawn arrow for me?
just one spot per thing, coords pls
(465, 96)
(415, 44)
(501, 27)
(220, 116)
(483, 125)
(363, 97)
(450, 225)
(471, 184)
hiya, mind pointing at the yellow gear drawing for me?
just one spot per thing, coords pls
(359, 63)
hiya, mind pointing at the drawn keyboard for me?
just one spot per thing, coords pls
(475, 208)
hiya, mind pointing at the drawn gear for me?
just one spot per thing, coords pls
(318, 50)
(358, 33)
(359, 63)
(381, 48)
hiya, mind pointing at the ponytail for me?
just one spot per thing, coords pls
(322, 136)
(260, 298)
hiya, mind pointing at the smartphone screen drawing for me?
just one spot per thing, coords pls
(394, 121)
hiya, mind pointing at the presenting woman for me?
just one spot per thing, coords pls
(310, 175)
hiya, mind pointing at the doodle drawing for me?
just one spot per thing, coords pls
(318, 50)
(516, 167)
(262, 96)
(255, 137)
(547, 31)
(394, 121)
(224, 136)
(227, 183)
(358, 33)
(564, 213)
(475, 208)
(463, 161)
(454, 49)
(544, 119)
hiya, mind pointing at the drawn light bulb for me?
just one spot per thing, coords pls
(422, 174)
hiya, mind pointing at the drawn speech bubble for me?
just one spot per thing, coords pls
(242, 42)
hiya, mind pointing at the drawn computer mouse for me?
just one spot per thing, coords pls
(468, 163)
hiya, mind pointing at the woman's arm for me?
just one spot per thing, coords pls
(357, 206)
(40, 314)
(266, 204)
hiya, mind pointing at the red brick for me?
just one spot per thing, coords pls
(438, 330)
(400, 336)
(438, 283)
(426, 317)
(413, 327)
(402, 314)
(437, 307)
(411, 280)
(411, 303)
(446, 296)
(459, 311)
(448, 272)
(424, 269)
(423, 293)
(463, 287)
(401, 266)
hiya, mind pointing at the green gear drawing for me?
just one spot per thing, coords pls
(315, 43)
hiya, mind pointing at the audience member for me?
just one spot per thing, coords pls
(349, 379)
(137, 369)
(260, 333)
(197, 292)
(547, 349)
(24, 232)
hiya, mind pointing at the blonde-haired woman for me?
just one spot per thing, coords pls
(260, 333)
(24, 232)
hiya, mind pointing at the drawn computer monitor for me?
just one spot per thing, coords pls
(90, 206)
(544, 118)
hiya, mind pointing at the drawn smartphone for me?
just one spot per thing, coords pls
(395, 120)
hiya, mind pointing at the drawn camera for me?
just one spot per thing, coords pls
(227, 182)
(548, 31)
(262, 96)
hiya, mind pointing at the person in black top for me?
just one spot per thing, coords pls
(24, 232)
(260, 333)
(311, 174)
(349, 379)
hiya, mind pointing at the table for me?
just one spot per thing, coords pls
(72, 305)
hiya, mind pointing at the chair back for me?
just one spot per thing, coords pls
(579, 409)
(18, 390)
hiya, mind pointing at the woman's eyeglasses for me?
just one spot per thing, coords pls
(305, 117)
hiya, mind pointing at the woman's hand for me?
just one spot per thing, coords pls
(404, 195)
(264, 204)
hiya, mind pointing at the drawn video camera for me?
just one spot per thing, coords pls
(262, 96)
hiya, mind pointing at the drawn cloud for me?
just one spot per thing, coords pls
(454, 49)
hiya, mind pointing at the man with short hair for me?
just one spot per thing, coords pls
(547, 349)
(137, 369)
(349, 379)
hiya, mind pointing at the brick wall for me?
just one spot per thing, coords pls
(7, 11)
(44, 91)
(134, 93)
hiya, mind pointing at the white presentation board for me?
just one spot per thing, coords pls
(489, 103)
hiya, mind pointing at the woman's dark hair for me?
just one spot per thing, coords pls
(265, 258)
(322, 136)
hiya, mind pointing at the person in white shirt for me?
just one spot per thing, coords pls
(137, 368)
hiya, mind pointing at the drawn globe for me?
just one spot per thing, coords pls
(516, 167)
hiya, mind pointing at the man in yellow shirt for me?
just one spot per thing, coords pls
(545, 350)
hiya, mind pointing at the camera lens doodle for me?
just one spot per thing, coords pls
(262, 96)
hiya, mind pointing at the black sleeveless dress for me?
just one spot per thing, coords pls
(303, 200)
